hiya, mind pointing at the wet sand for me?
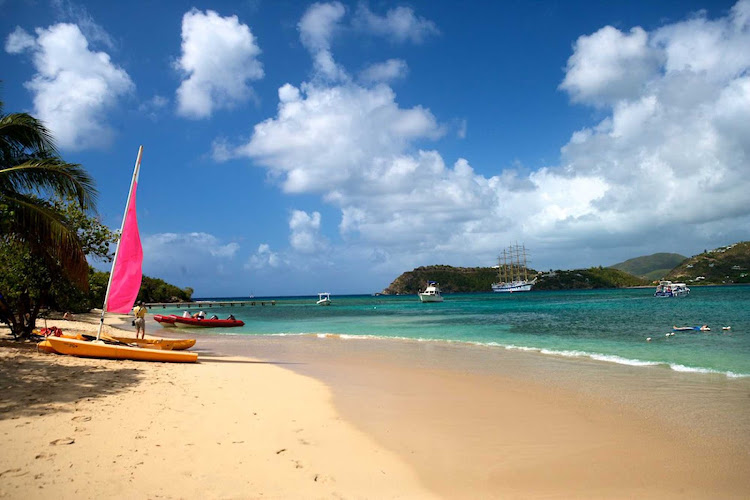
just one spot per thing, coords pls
(477, 421)
(409, 420)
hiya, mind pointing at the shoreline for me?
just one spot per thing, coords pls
(446, 420)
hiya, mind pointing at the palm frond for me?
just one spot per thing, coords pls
(47, 234)
(67, 180)
(21, 133)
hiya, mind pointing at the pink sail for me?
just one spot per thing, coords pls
(126, 274)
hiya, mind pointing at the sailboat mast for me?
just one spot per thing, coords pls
(133, 180)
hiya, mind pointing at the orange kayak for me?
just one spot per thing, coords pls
(93, 349)
(158, 343)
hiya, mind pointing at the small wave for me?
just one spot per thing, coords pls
(690, 369)
(608, 358)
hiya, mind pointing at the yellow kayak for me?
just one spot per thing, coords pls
(158, 343)
(89, 349)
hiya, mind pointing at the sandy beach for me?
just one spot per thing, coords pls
(310, 417)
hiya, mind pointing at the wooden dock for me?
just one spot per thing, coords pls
(208, 304)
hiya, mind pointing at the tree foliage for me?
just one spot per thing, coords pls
(30, 285)
(30, 171)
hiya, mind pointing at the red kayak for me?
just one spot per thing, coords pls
(173, 320)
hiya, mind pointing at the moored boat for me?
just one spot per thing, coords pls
(431, 293)
(324, 299)
(164, 320)
(669, 289)
(179, 321)
(512, 271)
(98, 349)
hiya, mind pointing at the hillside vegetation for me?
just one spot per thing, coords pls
(451, 279)
(585, 279)
(651, 267)
(480, 279)
(723, 265)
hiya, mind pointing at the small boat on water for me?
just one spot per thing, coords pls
(669, 289)
(431, 293)
(173, 320)
(324, 299)
(703, 328)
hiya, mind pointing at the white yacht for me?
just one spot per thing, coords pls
(431, 293)
(669, 289)
(324, 299)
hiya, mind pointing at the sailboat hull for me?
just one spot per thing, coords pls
(159, 343)
(522, 286)
(87, 349)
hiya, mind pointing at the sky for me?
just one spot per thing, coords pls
(296, 147)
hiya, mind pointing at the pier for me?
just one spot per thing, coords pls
(208, 304)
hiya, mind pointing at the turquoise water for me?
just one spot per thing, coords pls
(608, 325)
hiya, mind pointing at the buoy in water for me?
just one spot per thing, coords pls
(648, 339)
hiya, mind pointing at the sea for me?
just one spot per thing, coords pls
(621, 326)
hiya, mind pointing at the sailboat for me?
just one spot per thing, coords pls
(512, 272)
(122, 290)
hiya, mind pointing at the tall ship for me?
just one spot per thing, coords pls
(513, 273)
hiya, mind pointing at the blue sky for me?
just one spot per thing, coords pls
(292, 147)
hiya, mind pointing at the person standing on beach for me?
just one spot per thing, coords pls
(140, 319)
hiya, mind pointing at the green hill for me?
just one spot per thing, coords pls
(480, 279)
(651, 267)
(594, 277)
(451, 279)
(723, 265)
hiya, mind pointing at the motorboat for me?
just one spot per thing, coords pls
(669, 289)
(324, 299)
(173, 320)
(431, 293)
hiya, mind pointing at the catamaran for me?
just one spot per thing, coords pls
(122, 290)
(512, 272)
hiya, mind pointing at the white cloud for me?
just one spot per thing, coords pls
(153, 107)
(304, 232)
(399, 24)
(322, 137)
(199, 260)
(677, 137)
(387, 71)
(219, 60)
(667, 163)
(264, 258)
(19, 41)
(317, 26)
(73, 87)
(76, 14)
(609, 65)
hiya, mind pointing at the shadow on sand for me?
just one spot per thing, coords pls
(31, 385)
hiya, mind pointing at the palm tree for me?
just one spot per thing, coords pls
(30, 170)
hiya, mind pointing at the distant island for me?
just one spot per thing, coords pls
(480, 279)
(723, 265)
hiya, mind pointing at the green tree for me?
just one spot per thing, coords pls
(31, 169)
(29, 285)
(38, 242)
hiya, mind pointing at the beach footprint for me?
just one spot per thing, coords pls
(62, 441)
